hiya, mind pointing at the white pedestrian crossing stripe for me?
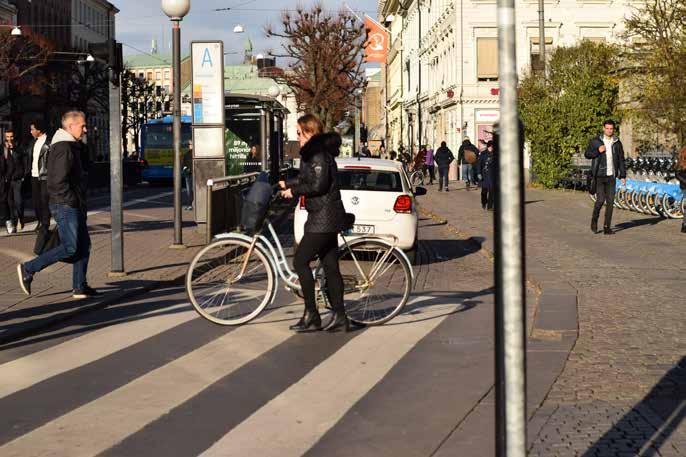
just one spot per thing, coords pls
(278, 428)
(34, 368)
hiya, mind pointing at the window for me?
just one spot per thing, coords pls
(596, 39)
(536, 63)
(369, 180)
(487, 59)
(149, 75)
(158, 75)
(166, 74)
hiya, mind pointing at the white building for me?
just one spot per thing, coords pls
(449, 58)
(92, 21)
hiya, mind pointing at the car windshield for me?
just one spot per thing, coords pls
(373, 180)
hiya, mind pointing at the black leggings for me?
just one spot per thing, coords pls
(487, 196)
(324, 246)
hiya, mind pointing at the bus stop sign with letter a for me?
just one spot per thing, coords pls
(207, 87)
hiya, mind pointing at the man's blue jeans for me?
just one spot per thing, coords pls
(74, 239)
(467, 173)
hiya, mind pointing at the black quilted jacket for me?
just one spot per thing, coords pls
(317, 183)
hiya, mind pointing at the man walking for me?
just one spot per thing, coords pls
(14, 178)
(466, 156)
(443, 159)
(37, 164)
(607, 154)
(68, 207)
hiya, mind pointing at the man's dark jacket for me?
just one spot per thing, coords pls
(443, 157)
(466, 146)
(14, 164)
(487, 168)
(42, 159)
(599, 164)
(65, 171)
(317, 183)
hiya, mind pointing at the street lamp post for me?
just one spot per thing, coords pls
(176, 10)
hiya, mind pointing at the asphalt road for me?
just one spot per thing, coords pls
(148, 377)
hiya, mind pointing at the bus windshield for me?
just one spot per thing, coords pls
(158, 143)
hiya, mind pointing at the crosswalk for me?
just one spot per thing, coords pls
(173, 384)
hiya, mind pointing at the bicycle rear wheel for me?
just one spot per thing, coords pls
(219, 292)
(379, 294)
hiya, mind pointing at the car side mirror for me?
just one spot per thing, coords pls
(419, 191)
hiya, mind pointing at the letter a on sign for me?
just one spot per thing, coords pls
(206, 58)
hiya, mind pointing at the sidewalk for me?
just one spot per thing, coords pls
(616, 307)
(148, 260)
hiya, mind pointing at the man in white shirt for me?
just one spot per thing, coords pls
(607, 154)
(38, 163)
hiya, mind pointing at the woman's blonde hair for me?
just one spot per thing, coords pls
(310, 124)
(681, 160)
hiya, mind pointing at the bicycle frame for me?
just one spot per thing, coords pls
(277, 255)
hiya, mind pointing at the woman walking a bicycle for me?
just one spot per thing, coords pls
(326, 217)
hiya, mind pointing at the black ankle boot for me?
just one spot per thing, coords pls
(594, 227)
(608, 231)
(311, 323)
(299, 323)
(338, 322)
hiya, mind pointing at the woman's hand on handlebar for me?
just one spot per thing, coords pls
(288, 193)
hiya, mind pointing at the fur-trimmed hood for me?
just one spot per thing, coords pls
(328, 142)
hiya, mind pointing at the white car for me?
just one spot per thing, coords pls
(379, 194)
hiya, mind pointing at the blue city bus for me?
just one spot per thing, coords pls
(157, 149)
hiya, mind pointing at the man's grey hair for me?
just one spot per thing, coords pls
(70, 116)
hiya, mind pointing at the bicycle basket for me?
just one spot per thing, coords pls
(255, 206)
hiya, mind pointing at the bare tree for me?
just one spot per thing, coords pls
(655, 53)
(20, 56)
(325, 54)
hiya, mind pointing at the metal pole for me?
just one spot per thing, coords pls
(541, 35)
(176, 45)
(419, 76)
(461, 28)
(116, 181)
(509, 260)
(356, 144)
(264, 145)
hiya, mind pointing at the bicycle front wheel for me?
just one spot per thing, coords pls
(227, 288)
(377, 281)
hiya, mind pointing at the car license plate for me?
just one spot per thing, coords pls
(363, 229)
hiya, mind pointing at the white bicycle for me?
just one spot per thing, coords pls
(234, 278)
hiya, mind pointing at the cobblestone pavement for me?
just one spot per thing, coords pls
(623, 388)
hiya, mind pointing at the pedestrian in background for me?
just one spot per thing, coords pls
(68, 206)
(14, 178)
(607, 155)
(487, 176)
(37, 168)
(5, 219)
(188, 175)
(443, 159)
(429, 162)
(466, 156)
(681, 177)
(419, 159)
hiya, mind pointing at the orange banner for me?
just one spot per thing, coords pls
(377, 41)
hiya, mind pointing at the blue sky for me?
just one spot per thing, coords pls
(142, 20)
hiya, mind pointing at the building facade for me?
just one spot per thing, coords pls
(448, 52)
(49, 18)
(92, 22)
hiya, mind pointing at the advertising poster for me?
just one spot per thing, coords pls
(237, 152)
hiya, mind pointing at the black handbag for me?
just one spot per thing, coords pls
(49, 239)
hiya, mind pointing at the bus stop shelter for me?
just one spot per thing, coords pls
(252, 123)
